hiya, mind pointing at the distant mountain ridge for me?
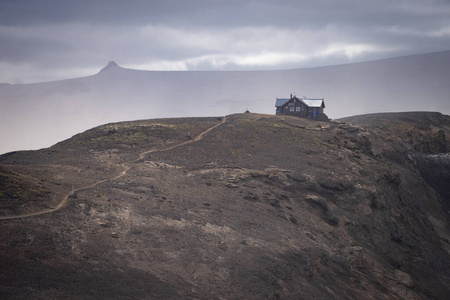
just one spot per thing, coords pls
(110, 65)
(41, 114)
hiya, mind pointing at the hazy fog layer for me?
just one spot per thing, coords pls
(38, 115)
(46, 40)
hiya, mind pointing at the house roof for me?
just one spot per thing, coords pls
(313, 102)
(281, 101)
(307, 101)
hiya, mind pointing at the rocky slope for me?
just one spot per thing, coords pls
(244, 207)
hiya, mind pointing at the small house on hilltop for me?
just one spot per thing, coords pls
(302, 107)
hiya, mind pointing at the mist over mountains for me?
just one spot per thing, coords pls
(41, 114)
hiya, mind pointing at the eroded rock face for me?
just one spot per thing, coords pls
(250, 207)
(404, 279)
(435, 170)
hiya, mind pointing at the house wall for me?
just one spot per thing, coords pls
(295, 107)
(320, 110)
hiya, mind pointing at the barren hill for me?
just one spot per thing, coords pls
(38, 115)
(248, 206)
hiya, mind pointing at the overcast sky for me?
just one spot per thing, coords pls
(43, 40)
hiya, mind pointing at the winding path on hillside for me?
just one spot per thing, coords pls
(125, 167)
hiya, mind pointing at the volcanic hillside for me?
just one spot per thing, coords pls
(246, 206)
(38, 115)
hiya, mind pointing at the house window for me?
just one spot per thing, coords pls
(297, 108)
(291, 108)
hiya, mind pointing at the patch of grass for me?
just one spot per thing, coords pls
(235, 152)
(141, 132)
(283, 126)
(322, 144)
(12, 187)
(93, 193)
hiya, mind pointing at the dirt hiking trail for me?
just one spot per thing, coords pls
(123, 173)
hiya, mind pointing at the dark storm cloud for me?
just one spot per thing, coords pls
(43, 38)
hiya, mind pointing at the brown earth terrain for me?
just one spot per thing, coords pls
(243, 207)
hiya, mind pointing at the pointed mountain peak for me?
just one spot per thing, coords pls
(111, 65)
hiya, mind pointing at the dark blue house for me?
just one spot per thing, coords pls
(300, 106)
